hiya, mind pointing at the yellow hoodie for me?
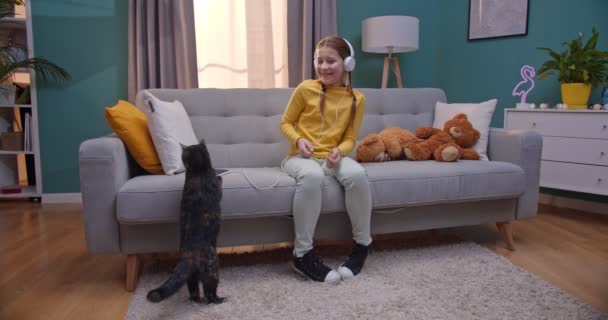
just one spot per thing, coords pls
(302, 119)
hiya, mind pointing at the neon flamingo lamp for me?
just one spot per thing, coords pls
(527, 73)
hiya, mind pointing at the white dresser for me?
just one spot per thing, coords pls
(575, 147)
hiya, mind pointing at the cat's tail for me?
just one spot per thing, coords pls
(177, 279)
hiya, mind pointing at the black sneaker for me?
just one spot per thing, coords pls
(312, 267)
(355, 262)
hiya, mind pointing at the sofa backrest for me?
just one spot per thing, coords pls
(241, 126)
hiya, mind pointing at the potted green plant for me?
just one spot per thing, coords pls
(13, 58)
(579, 68)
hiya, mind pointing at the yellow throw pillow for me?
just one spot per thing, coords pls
(130, 125)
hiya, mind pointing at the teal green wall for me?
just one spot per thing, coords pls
(89, 39)
(474, 71)
(418, 69)
(485, 69)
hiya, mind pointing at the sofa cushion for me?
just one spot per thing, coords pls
(131, 126)
(169, 127)
(402, 183)
(246, 192)
(269, 191)
(479, 114)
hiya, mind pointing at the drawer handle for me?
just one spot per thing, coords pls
(599, 179)
(534, 124)
(602, 153)
(604, 127)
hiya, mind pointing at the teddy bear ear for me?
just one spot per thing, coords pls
(370, 139)
(461, 116)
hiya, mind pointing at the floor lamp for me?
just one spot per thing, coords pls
(390, 34)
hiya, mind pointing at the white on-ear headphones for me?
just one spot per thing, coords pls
(349, 62)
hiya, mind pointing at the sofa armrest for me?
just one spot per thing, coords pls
(523, 148)
(104, 168)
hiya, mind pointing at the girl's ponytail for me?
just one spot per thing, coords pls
(322, 99)
(353, 107)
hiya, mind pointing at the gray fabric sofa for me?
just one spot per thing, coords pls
(127, 211)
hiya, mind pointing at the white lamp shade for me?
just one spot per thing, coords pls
(397, 32)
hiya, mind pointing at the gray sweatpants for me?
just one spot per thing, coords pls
(309, 174)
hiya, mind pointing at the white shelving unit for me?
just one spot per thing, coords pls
(15, 170)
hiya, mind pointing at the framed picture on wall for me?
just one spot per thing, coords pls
(497, 18)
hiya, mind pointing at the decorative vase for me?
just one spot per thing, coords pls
(576, 95)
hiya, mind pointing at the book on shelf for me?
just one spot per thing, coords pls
(27, 135)
(30, 163)
(10, 190)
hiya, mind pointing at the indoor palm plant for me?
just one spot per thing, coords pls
(13, 58)
(579, 68)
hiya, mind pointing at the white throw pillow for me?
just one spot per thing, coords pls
(169, 126)
(479, 114)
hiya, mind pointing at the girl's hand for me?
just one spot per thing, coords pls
(334, 158)
(305, 148)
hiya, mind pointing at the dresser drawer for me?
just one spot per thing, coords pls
(561, 124)
(575, 177)
(577, 150)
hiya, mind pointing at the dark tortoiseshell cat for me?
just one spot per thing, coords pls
(199, 227)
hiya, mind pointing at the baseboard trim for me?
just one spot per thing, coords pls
(61, 198)
(571, 203)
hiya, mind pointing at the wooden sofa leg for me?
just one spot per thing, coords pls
(133, 268)
(505, 233)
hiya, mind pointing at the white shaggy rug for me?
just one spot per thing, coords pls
(456, 281)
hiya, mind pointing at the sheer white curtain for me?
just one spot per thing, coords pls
(241, 43)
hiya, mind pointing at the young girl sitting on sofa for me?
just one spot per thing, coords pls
(322, 121)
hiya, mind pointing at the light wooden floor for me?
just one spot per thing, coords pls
(46, 273)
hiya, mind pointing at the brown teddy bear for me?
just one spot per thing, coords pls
(371, 149)
(450, 144)
(383, 146)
